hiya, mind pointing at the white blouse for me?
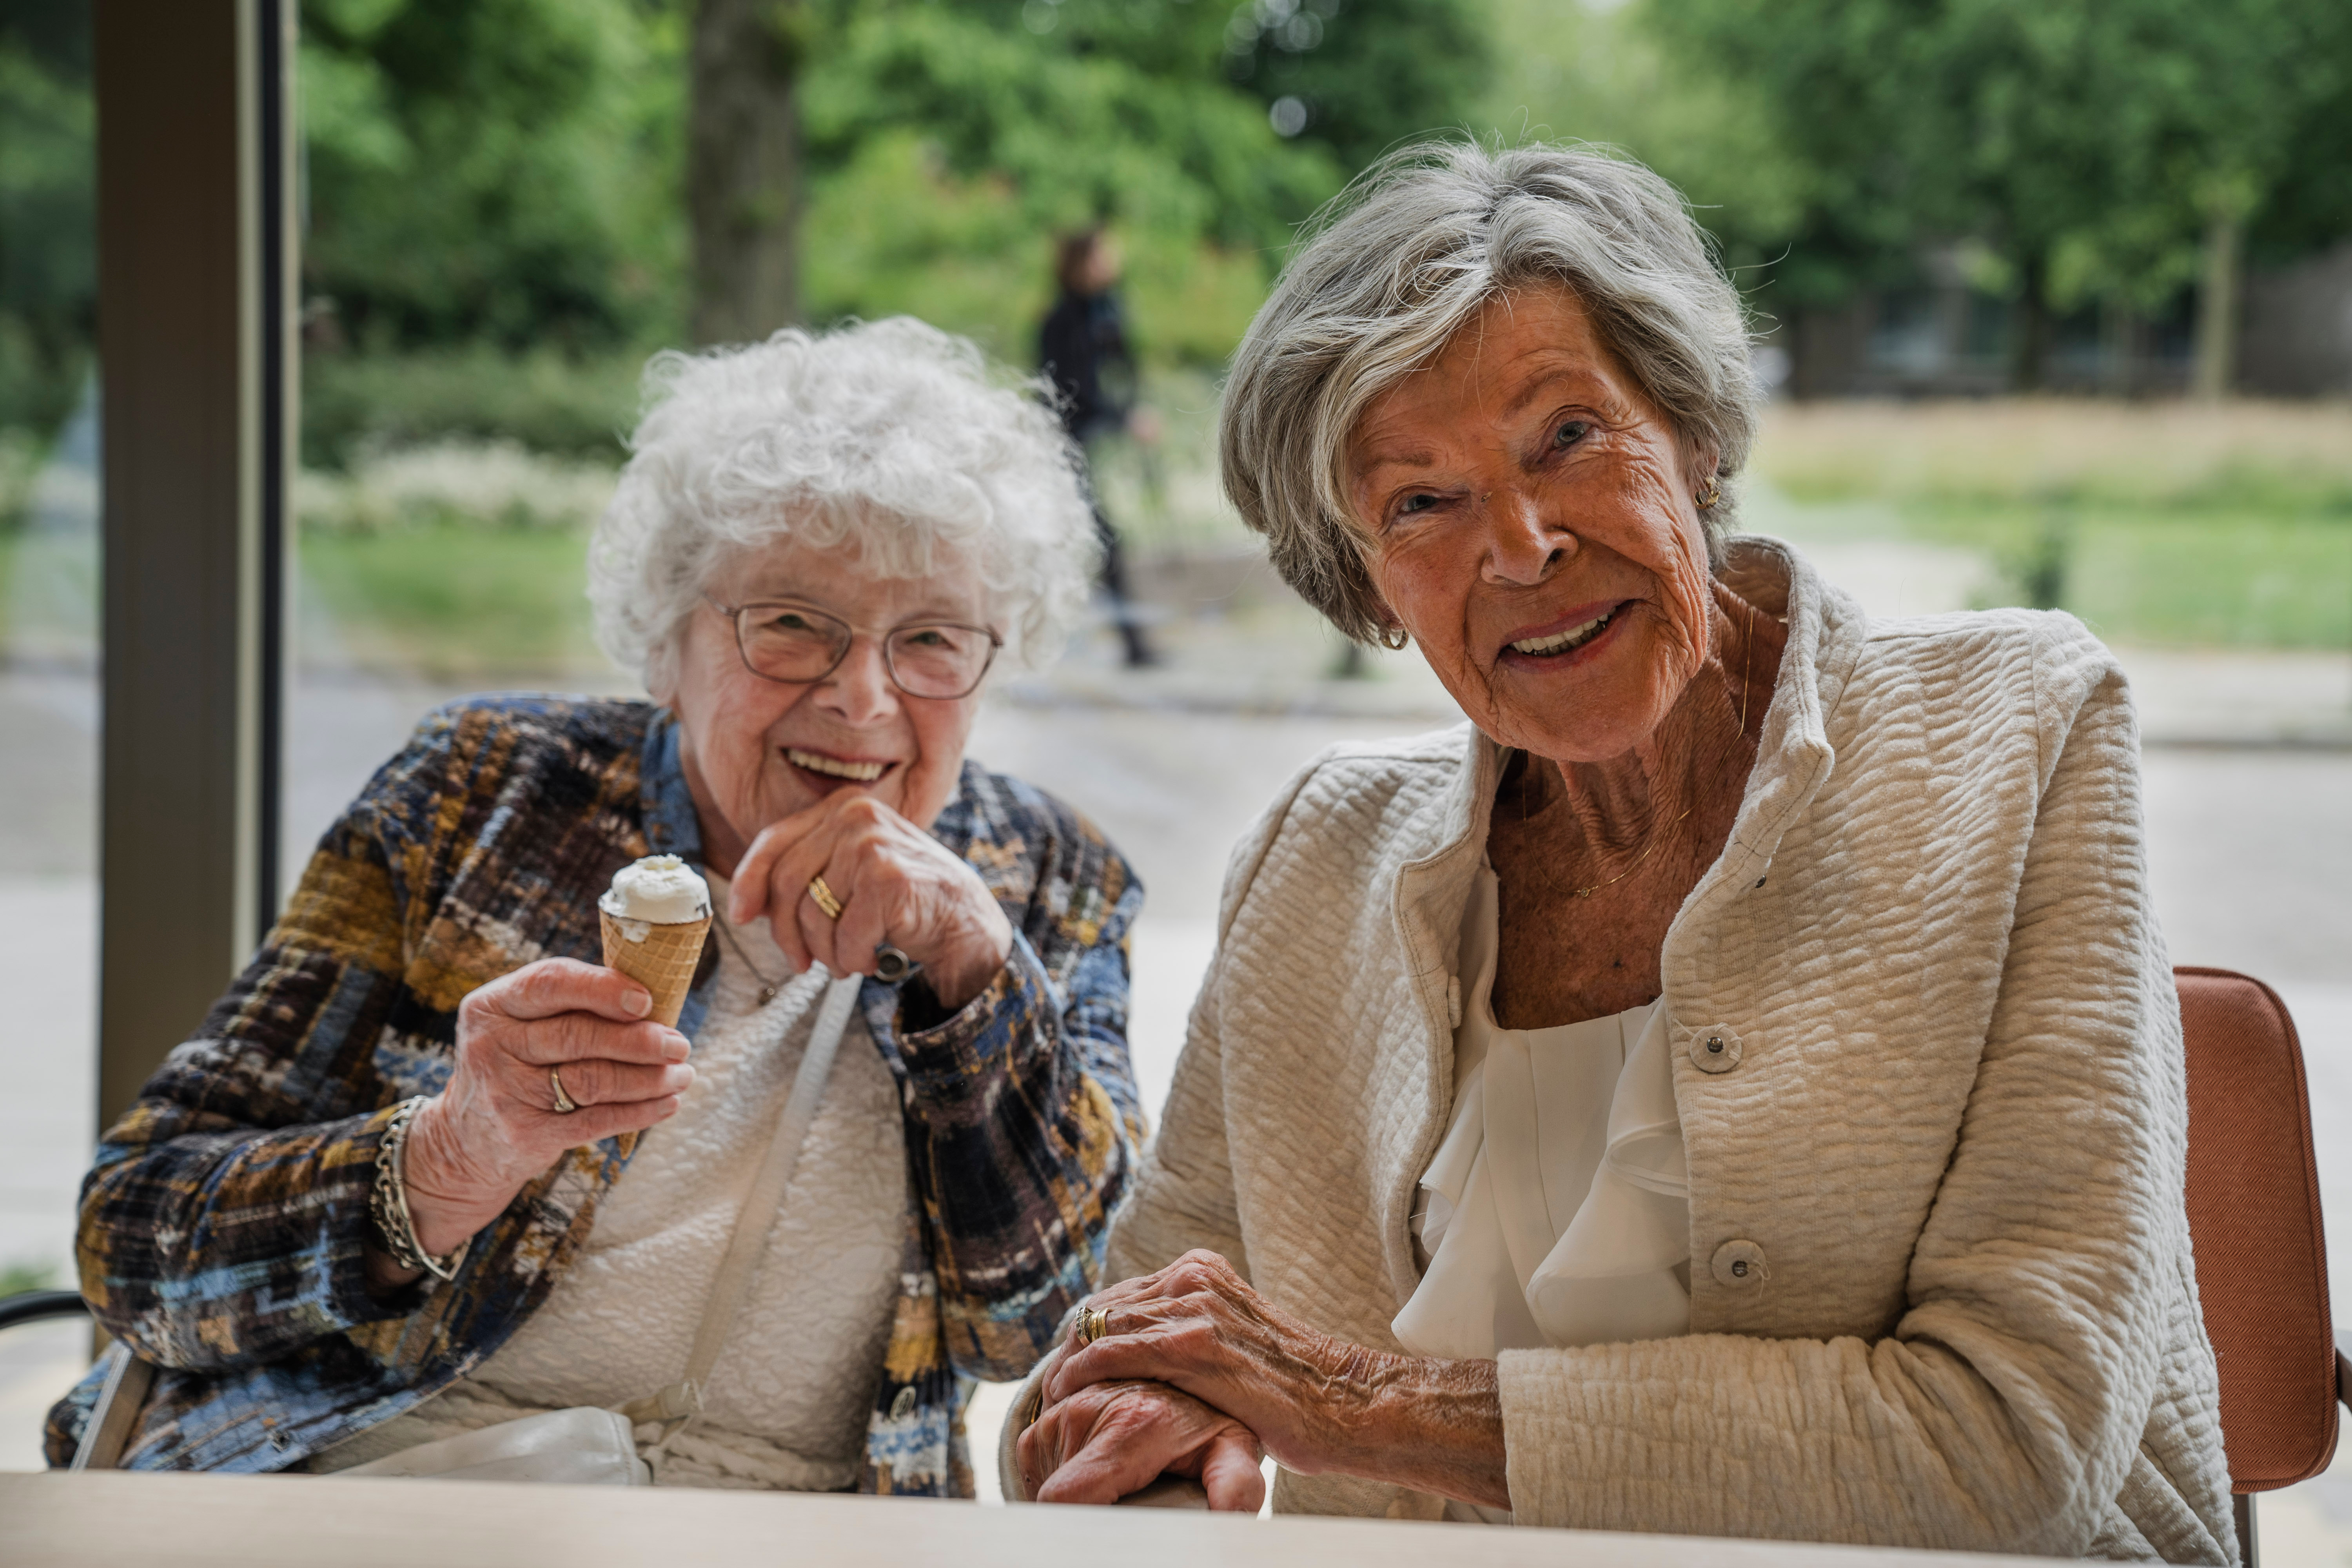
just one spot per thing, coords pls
(1555, 1212)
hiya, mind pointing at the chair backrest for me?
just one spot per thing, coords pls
(2253, 1218)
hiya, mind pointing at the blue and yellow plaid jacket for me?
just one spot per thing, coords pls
(224, 1221)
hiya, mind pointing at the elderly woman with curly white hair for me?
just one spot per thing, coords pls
(429, 1177)
(1731, 1087)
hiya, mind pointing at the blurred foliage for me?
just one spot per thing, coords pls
(1367, 75)
(577, 404)
(497, 485)
(1607, 74)
(502, 172)
(20, 465)
(509, 172)
(16, 1279)
(496, 235)
(496, 226)
(950, 139)
(2090, 143)
(48, 250)
(948, 143)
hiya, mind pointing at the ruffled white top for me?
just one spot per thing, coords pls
(1556, 1211)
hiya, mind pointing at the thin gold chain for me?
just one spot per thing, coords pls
(1653, 844)
(768, 988)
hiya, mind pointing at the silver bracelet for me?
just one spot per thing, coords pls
(388, 1201)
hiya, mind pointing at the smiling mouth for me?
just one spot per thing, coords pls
(1565, 641)
(856, 772)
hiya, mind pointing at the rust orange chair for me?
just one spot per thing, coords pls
(2253, 1215)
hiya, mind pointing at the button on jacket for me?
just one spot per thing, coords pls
(1948, 1144)
(224, 1223)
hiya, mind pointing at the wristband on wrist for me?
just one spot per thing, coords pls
(388, 1201)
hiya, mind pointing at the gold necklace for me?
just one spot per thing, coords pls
(1747, 662)
(768, 988)
(1653, 844)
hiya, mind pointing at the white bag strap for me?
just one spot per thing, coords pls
(682, 1401)
(120, 1399)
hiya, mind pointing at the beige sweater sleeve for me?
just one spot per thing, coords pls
(2003, 1412)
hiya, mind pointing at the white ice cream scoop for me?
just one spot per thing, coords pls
(660, 889)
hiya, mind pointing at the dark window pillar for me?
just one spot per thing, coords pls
(196, 254)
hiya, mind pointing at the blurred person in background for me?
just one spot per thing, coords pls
(1082, 349)
(1734, 1084)
(817, 550)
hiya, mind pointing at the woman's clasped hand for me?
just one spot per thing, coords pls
(894, 883)
(1196, 1374)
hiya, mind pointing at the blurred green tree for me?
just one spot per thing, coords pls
(48, 250)
(520, 172)
(950, 141)
(2105, 149)
(503, 170)
(1360, 76)
(1604, 74)
(743, 178)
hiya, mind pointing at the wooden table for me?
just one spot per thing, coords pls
(113, 1518)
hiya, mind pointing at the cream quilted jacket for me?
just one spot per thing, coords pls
(1930, 1083)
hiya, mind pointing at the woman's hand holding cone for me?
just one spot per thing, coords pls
(472, 1147)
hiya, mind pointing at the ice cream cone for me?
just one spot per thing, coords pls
(663, 960)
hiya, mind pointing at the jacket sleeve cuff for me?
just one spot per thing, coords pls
(1010, 1016)
(349, 1231)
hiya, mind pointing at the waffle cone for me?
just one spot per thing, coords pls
(664, 963)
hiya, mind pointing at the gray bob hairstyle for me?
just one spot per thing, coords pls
(1399, 263)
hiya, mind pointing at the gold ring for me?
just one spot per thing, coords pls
(1092, 1326)
(824, 898)
(565, 1105)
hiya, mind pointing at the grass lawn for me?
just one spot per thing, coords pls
(2185, 577)
(2173, 523)
(452, 602)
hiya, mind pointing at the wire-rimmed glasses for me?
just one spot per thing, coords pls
(796, 643)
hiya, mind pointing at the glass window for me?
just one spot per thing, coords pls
(48, 691)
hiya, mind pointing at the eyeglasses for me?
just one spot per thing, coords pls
(800, 644)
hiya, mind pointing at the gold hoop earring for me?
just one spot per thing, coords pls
(1711, 496)
(1394, 638)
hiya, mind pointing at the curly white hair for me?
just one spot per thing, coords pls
(891, 441)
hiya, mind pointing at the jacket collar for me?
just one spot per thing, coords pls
(671, 827)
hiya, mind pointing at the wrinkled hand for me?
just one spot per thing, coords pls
(1197, 1326)
(472, 1147)
(1316, 1404)
(1109, 1439)
(897, 884)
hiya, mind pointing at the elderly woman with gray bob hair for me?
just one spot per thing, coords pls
(1733, 1085)
(430, 1170)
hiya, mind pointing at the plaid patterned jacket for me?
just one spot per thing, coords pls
(223, 1224)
